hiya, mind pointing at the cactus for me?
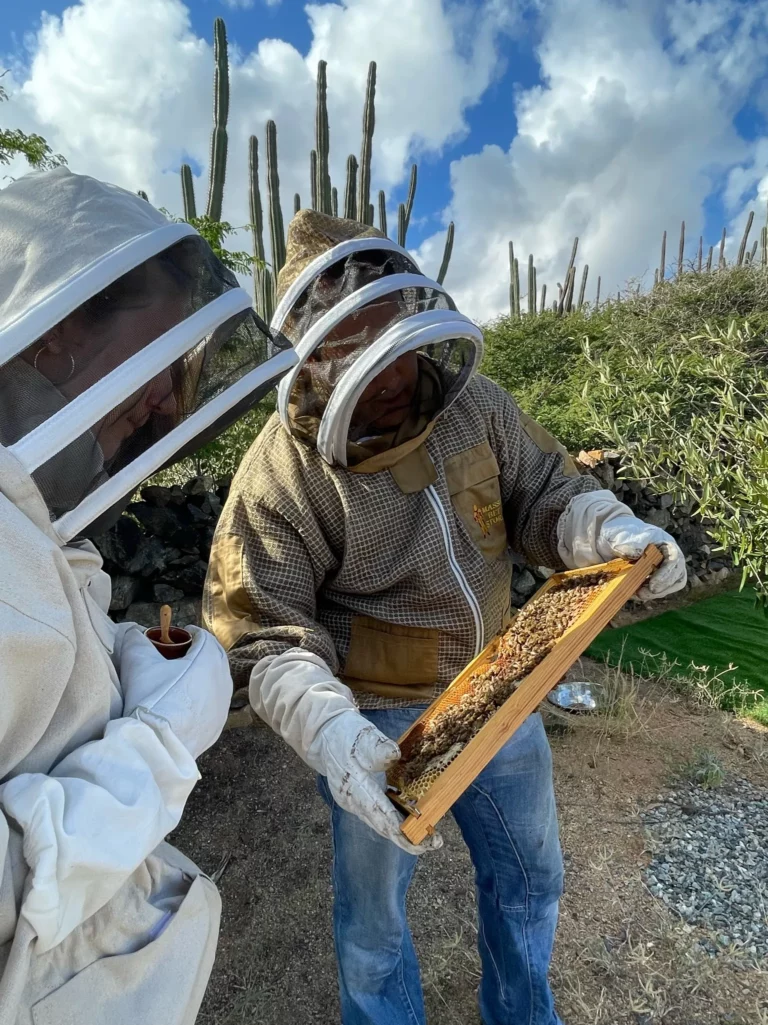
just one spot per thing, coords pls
(597, 296)
(188, 193)
(321, 176)
(446, 254)
(663, 260)
(764, 247)
(335, 201)
(681, 252)
(709, 259)
(218, 167)
(543, 305)
(350, 204)
(753, 253)
(745, 237)
(313, 178)
(700, 254)
(401, 232)
(516, 283)
(409, 202)
(721, 261)
(296, 203)
(276, 230)
(554, 305)
(564, 291)
(366, 149)
(656, 277)
(382, 212)
(262, 279)
(570, 285)
(583, 289)
(535, 290)
(531, 287)
(511, 279)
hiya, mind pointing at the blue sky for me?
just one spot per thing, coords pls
(534, 121)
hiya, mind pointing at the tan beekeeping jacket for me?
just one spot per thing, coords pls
(57, 692)
(396, 571)
(396, 575)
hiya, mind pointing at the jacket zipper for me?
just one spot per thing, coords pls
(456, 569)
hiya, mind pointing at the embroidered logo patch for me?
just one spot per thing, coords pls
(487, 516)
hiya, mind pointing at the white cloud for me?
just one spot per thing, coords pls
(123, 89)
(246, 4)
(625, 137)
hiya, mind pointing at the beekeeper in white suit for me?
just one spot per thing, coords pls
(123, 343)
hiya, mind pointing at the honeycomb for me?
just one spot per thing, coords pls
(461, 712)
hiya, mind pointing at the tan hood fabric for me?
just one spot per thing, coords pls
(310, 234)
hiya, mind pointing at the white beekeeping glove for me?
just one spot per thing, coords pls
(298, 695)
(191, 693)
(596, 527)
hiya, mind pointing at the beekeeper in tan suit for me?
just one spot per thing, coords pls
(123, 341)
(363, 559)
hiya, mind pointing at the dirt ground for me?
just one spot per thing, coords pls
(621, 957)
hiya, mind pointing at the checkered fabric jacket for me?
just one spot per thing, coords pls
(397, 584)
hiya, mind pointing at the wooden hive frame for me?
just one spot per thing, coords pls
(625, 580)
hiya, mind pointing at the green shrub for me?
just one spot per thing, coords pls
(540, 360)
(690, 414)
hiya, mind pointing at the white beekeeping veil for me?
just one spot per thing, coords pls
(124, 342)
(355, 304)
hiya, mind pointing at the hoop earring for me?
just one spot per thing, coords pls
(56, 384)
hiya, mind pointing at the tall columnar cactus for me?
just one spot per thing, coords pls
(516, 286)
(535, 290)
(446, 254)
(531, 287)
(350, 193)
(276, 229)
(700, 254)
(583, 289)
(753, 252)
(569, 289)
(188, 193)
(764, 247)
(709, 259)
(564, 293)
(322, 175)
(402, 227)
(511, 279)
(382, 212)
(663, 259)
(543, 303)
(262, 279)
(597, 296)
(409, 201)
(721, 260)
(296, 203)
(218, 167)
(313, 179)
(681, 252)
(745, 238)
(335, 201)
(366, 149)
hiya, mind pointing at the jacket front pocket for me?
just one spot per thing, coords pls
(382, 652)
(473, 484)
(163, 981)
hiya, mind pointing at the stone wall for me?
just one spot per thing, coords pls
(158, 551)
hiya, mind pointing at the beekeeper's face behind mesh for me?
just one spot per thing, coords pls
(382, 352)
(107, 330)
(144, 370)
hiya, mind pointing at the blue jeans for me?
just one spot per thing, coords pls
(509, 823)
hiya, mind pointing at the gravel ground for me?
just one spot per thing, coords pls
(710, 862)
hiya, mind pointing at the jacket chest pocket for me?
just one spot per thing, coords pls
(473, 484)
